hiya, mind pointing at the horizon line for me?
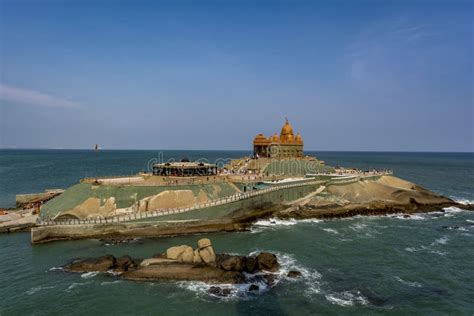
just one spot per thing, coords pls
(236, 150)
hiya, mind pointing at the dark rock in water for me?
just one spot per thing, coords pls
(253, 287)
(233, 263)
(293, 274)
(124, 263)
(267, 262)
(159, 255)
(103, 263)
(251, 264)
(406, 216)
(224, 269)
(270, 279)
(215, 290)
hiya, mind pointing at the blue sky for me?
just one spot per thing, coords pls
(349, 75)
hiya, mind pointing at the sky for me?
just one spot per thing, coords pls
(349, 75)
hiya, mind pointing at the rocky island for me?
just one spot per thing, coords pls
(186, 197)
(183, 263)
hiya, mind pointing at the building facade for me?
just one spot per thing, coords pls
(287, 145)
(184, 169)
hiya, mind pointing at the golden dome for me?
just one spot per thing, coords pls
(286, 135)
(260, 139)
(286, 129)
(275, 138)
(299, 139)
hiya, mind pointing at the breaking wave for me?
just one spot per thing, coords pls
(56, 269)
(89, 275)
(440, 241)
(330, 230)
(74, 285)
(450, 211)
(275, 222)
(417, 217)
(259, 225)
(408, 283)
(347, 298)
(33, 290)
(463, 200)
(311, 278)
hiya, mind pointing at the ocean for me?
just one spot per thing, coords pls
(363, 265)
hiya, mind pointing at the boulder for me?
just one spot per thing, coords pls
(123, 263)
(233, 263)
(208, 255)
(187, 256)
(251, 264)
(270, 279)
(174, 253)
(293, 274)
(218, 291)
(267, 262)
(103, 263)
(203, 243)
(196, 256)
(253, 287)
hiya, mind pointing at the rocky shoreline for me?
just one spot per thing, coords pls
(385, 196)
(129, 231)
(183, 263)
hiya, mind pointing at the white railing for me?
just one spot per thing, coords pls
(170, 211)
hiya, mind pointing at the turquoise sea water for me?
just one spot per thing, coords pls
(364, 265)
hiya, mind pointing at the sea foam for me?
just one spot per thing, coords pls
(330, 230)
(89, 275)
(262, 224)
(463, 201)
(408, 283)
(311, 278)
(347, 298)
(34, 290)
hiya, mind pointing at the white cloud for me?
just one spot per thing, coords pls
(31, 97)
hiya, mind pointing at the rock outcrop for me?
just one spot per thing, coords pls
(294, 274)
(180, 253)
(386, 195)
(267, 262)
(103, 263)
(204, 253)
(183, 263)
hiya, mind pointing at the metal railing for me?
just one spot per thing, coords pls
(170, 211)
(178, 210)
